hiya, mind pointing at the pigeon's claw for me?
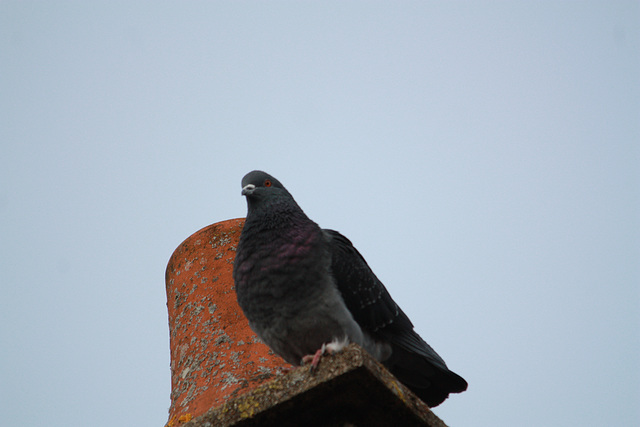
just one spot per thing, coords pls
(334, 346)
(314, 359)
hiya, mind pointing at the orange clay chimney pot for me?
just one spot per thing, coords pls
(215, 356)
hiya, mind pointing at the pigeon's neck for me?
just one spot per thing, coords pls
(275, 215)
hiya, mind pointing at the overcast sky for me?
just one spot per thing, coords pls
(483, 156)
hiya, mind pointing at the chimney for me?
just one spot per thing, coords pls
(222, 375)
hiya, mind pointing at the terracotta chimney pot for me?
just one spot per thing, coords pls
(215, 356)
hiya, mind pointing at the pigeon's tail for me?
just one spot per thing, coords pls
(431, 383)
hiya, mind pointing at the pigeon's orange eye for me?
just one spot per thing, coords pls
(267, 183)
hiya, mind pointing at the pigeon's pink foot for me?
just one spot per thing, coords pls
(334, 346)
(314, 359)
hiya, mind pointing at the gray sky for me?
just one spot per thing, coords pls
(483, 156)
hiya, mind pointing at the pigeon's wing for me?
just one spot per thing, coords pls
(370, 303)
(365, 296)
(412, 361)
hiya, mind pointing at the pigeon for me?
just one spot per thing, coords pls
(307, 290)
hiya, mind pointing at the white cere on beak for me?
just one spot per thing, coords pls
(248, 189)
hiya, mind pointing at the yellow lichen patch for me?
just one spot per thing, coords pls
(179, 420)
(184, 418)
(247, 408)
(398, 391)
(274, 386)
(170, 422)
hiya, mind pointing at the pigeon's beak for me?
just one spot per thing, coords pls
(248, 189)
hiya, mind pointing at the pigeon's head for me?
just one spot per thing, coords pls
(258, 184)
(265, 193)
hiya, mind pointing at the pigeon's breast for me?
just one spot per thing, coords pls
(274, 266)
(293, 251)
